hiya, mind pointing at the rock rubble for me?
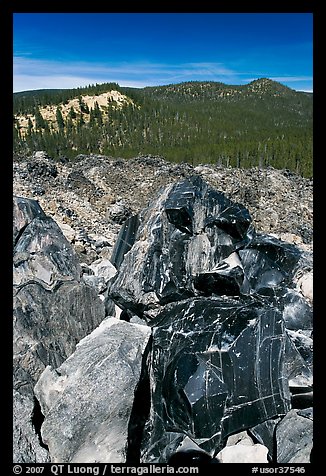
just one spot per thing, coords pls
(95, 194)
(143, 287)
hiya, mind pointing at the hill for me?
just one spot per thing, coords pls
(263, 123)
(194, 90)
(70, 109)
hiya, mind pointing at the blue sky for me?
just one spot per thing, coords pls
(66, 50)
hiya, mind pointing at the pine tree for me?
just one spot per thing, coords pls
(192, 121)
(72, 114)
(98, 114)
(39, 121)
(92, 118)
(29, 126)
(83, 106)
(59, 119)
(80, 123)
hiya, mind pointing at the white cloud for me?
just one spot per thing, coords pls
(32, 74)
(24, 82)
(291, 79)
(44, 74)
(305, 90)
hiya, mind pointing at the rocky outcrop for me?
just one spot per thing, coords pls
(215, 332)
(103, 192)
(53, 307)
(220, 299)
(87, 401)
(27, 447)
(294, 437)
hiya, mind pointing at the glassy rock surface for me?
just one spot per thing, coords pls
(231, 337)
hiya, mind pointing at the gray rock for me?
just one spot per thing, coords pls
(26, 443)
(24, 211)
(77, 181)
(243, 454)
(297, 313)
(306, 413)
(103, 268)
(302, 339)
(68, 231)
(118, 212)
(40, 168)
(101, 242)
(264, 433)
(97, 275)
(182, 238)
(40, 154)
(210, 371)
(87, 401)
(42, 254)
(47, 326)
(193, 241)
(44, 259)
(240, 438)
(220, 298)
(305, 285)
(294, 438)
(53, 308)
(97, 282)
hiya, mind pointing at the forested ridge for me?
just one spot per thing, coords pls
(260, 124)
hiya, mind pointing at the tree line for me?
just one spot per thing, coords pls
(180, 123)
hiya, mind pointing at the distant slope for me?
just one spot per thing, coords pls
(25, 101)
(262, 123)
(216, 91)
(262, 88)
(74, 108)
(37, 92)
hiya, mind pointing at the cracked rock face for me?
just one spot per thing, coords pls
(87, 401)
(180, 242)
(220, 299)
(26, 444)
(214, 338)
(294, 436)
(218, 366)
(53, 308)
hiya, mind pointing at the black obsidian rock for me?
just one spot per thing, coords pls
(231, 346)
(174, 249)
(219, 366)
(125, 240)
